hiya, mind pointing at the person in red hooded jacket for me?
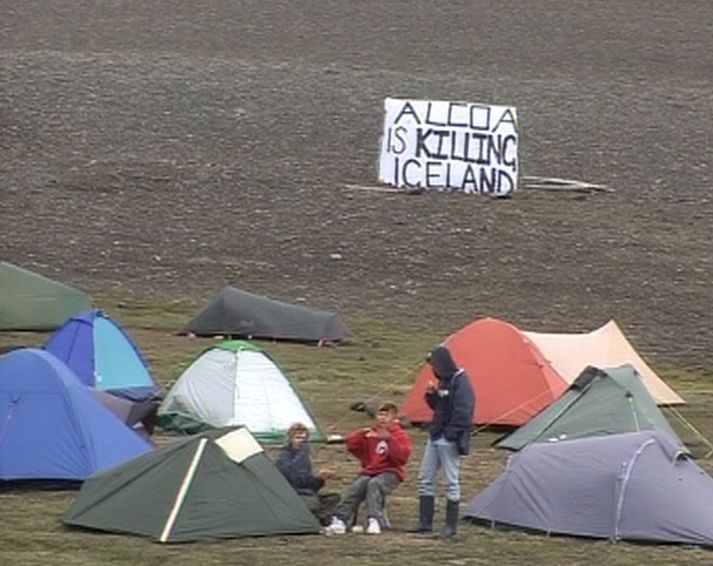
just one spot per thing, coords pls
(383, 451)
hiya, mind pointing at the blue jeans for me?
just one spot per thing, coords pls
(440, 453)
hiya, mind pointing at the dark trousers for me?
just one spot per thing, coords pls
(322, 505)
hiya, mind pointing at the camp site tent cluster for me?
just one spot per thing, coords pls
(82, 409)
(53, 427)
(516, 374)
(82, 403)
(595, 455)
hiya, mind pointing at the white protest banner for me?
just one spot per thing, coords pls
(449, 145)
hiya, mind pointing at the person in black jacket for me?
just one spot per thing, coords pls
(295, 464)
(452, 399)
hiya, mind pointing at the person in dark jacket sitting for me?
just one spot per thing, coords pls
(452, 399)
(295, 464)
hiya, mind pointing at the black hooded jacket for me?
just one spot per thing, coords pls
(453, 402)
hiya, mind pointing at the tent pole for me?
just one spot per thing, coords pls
(683, 419)
(507, 413)
(633, 411)
(183, 490)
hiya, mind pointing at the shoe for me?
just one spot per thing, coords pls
(373, 527)
(425, 516)
(336, 527)
(449, 530)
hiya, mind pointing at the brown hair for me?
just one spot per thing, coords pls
(293, 430)
(388, 408)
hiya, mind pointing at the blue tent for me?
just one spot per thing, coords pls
(52, 428)
(103, 356)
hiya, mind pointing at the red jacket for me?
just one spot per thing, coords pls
(379, 455)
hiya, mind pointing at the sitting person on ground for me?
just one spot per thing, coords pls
(295, 464)
(383, 450)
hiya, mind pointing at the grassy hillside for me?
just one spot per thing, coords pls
(381, 363)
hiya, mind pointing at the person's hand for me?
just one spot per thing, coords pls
(325, 473)
(370, 433)
(383, 433)
(431, 386)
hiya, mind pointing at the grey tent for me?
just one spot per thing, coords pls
(219, 484)
(30, 301)
(633, 486)
(140, 416)
(599, 401)
(241, 314)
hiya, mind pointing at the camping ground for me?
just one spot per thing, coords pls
(33, 532)
(151, 154)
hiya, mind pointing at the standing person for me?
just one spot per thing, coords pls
(452, 399)
(295, 464)
(383, 450)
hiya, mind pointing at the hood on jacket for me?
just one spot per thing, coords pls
(442, 363)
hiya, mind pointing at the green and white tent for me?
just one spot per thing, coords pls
(30, 301)
(219, 484)
(599, 402)
(235, 383)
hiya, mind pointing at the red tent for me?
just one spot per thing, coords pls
(511, 378)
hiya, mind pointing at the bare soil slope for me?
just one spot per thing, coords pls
(157, 151)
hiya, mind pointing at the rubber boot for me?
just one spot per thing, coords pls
(449, 530)
(425, 515)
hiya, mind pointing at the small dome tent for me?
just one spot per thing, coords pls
(54, 429)
(511, 379)
(235, 383)
(599, 401)
(218, 484)
(103, 356)
(637, 486)
(607, 346)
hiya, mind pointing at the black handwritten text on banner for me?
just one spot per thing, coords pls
(449, 145)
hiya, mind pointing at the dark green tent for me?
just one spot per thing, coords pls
(29, 301)
(599, 401)
(219, 484)
(234, 312)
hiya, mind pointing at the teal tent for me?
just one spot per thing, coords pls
(103, 356)
(599, 401)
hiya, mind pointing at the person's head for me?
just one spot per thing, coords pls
(442, 363)
(386, 414)
(296, 435)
